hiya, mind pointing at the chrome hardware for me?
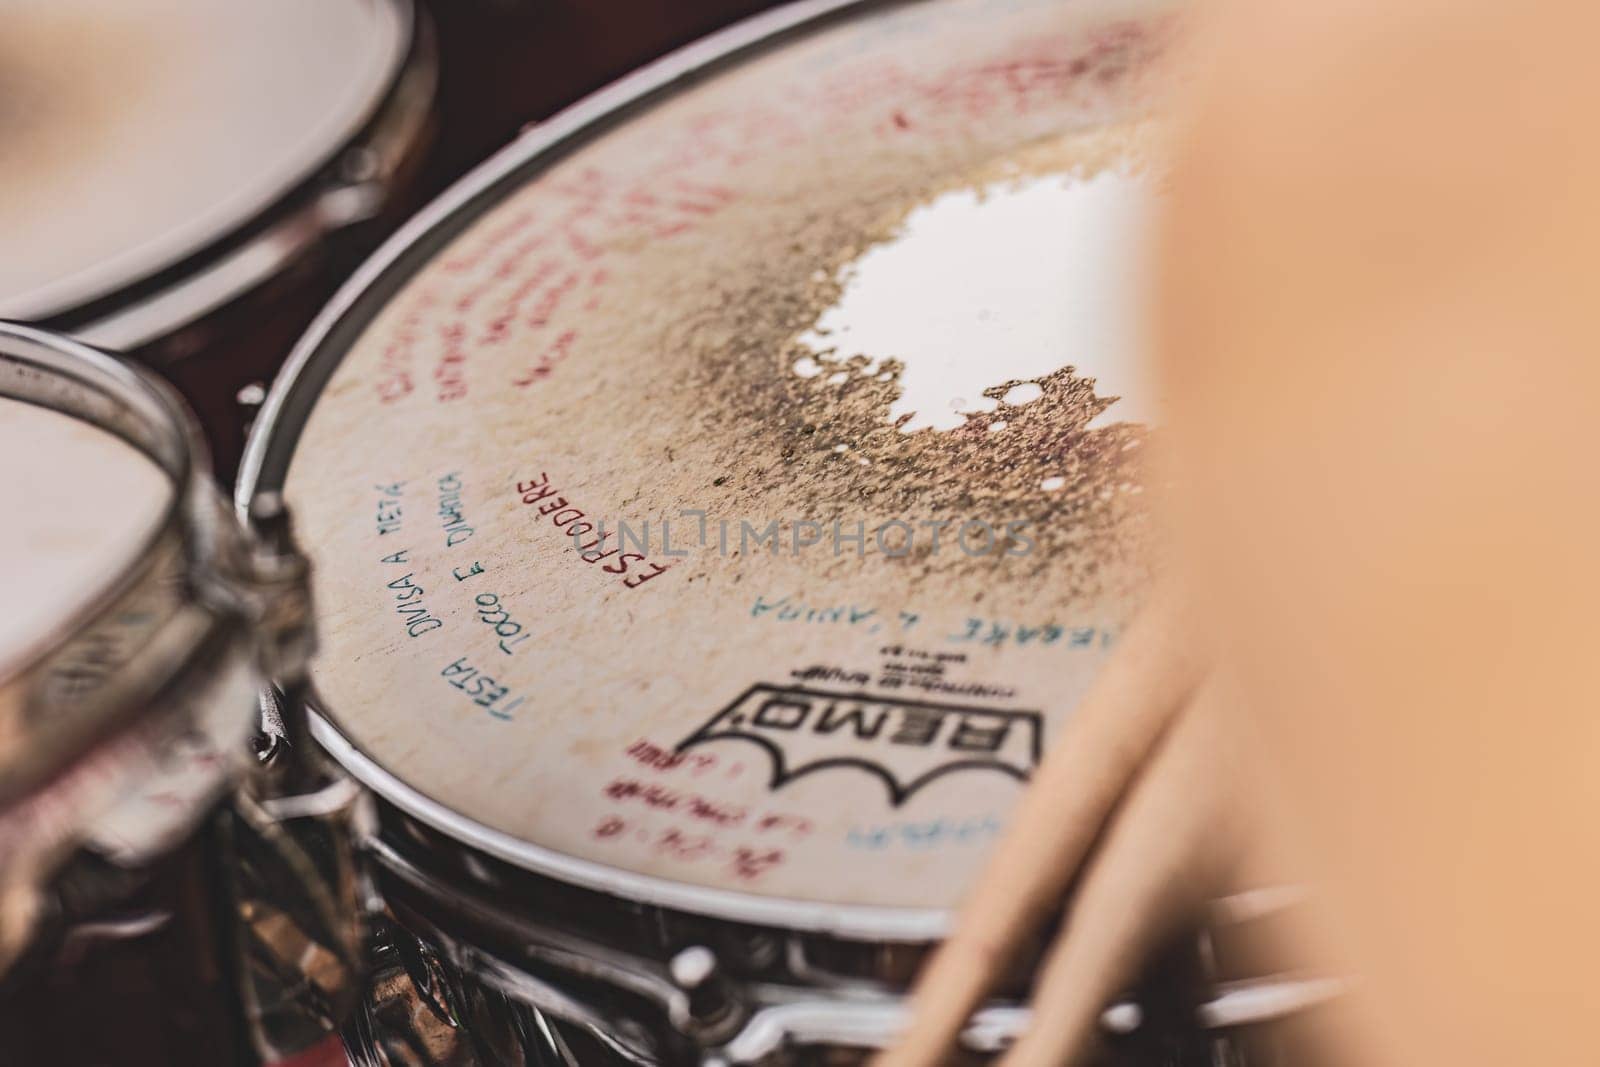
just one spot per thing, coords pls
(1266, 1000)
(278, 581)
(1123, 1017)
(711, 1003)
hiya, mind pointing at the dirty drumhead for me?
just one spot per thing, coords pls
(727, 500)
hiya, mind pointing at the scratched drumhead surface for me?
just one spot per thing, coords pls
(82, 503)
(746, 500)
(133, 134)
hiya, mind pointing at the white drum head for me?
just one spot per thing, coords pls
(83, 505)
(134, 134)
(878, 274)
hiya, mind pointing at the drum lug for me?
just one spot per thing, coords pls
(710, 1000)
(278, 579)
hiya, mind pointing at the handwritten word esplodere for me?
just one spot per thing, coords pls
(634, 568)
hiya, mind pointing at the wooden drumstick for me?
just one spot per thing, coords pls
(1168, 850)
(1150, 675)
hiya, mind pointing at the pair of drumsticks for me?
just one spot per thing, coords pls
(1130, 781)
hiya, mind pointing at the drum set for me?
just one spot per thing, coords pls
(650, 580)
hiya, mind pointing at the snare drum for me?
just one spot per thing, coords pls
(718, 501)
(163, 899)
(165, 161)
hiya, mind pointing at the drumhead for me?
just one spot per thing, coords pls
(137, 134)
(800, 300)
(84, 506)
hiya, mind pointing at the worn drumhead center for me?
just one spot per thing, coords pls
(732, 511)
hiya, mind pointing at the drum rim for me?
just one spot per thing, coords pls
(317, 355)
(90, 285)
